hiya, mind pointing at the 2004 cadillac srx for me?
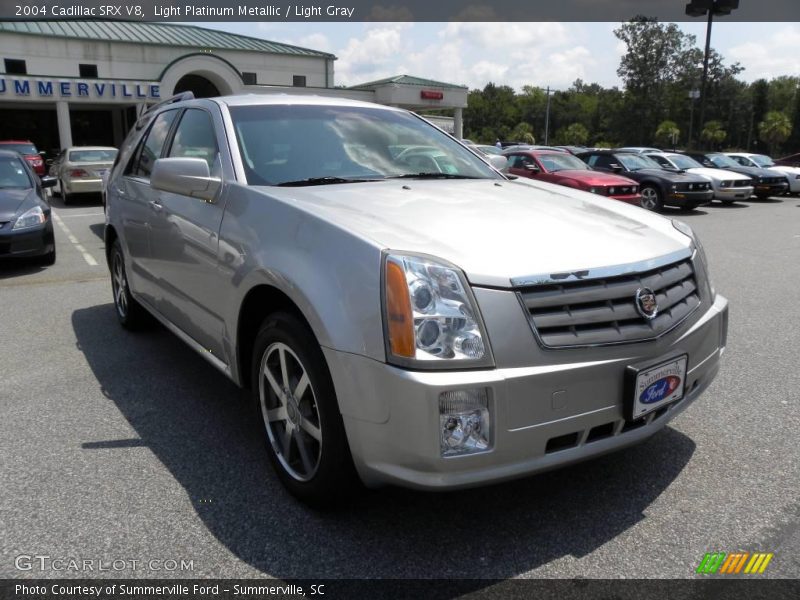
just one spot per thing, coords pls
(402, 312)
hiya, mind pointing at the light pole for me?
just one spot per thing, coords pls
(700, 8)
(547, 117)
(693, 95)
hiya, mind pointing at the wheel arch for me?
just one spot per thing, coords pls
(109, 237)
(259, 302)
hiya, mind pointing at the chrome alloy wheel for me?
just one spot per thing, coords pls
(290, 412)
(649, 198)
(119, 284)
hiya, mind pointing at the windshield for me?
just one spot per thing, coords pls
(21, 148)
(684, 162)
(92, 156)
(13, 173)
(282, 144)
(562, 162)
(635, 162)
(721, 161)
(762, 161)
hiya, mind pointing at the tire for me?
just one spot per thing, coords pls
(727, 202)
(651, 198)
(65, 197)
(130, 313)
(303, 430)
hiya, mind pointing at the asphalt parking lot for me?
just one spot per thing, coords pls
(120, 446)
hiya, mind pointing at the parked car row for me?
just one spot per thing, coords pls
(658, 178)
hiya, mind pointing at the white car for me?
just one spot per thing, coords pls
(762, 161)
(728, 186)
(82, 170)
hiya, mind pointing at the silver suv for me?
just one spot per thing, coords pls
(401, 311)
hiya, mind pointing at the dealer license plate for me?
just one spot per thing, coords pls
(655, 386)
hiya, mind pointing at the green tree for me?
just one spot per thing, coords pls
(775, 129)
(667, 133)
(573, 135)
(523, 132)
(713, 133)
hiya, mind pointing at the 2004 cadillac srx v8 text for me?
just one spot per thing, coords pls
(402, 312)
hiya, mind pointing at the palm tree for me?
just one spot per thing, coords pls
(775, 129)
(667, 133)
(714, 133)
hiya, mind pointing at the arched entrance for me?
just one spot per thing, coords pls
(198, 85)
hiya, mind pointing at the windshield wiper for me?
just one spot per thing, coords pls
(432, 176)
(321, 181)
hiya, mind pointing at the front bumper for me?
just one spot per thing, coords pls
(733, 193)
(686, 198)
(392, 420)
(764, 190)
(27, 242)
(634, 199)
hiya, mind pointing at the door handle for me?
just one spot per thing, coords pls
(155, 206)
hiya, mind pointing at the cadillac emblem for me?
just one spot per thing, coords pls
(646, 303)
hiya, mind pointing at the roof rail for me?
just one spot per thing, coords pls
(176, 98)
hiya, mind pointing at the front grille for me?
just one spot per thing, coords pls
(603, 311)
(773, 180)
(693, 187)
(622, 190)
(741, 183)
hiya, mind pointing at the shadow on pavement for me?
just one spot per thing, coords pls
(16, 267)
(194, 420)
(99, 230)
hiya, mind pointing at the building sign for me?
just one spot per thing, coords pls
(79, 89)
(431, 95)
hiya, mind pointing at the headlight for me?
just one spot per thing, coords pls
(725, 184)
(674, 187)
(430, 316)
(701, 252)
(593, 190)
(30, 218)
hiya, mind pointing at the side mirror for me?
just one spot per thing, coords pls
(532, 168)
(616, 168)
(48, 182)
(185, 176)
(42, 153)
(498, 161)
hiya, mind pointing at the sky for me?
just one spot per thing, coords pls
(515, 54)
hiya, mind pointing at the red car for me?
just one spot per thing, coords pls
(568, 170)
(28, 151)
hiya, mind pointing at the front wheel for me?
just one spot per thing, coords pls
(296, 401)
(651, 198)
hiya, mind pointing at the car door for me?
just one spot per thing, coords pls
(133, 194)
(519, 164)
(184, 236)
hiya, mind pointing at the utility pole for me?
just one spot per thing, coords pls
(693, 95)
(699, 8)
(547, 117)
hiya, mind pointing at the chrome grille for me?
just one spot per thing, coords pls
(603, 311)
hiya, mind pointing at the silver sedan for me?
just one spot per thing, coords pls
(82, 169)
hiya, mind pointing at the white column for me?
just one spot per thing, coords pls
(64, 125)
(458, 124)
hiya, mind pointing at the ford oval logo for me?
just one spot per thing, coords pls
(660, 389)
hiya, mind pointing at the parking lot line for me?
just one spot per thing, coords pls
(92, 214)
(74, 241)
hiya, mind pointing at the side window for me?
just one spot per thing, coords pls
(195, 137)
(741, 160)
(603, 161)
(150, 148)
(662, 161)
(590, 160)
(514, 161)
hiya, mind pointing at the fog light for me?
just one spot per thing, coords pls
(465, 426)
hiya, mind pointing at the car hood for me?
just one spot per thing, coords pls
(784, 170)
(673, 176)
(595, 177)
(494, 230)
(752, 172)
(11, 201)
(717, 174)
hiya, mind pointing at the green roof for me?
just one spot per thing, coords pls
(407, 80)
(156, 34)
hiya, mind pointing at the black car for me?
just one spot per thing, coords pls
(765, 182)
(657, 187)
(26, 229)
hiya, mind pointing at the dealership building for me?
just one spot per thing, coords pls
(68, 83)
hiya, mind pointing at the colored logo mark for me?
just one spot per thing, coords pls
(734, 563)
